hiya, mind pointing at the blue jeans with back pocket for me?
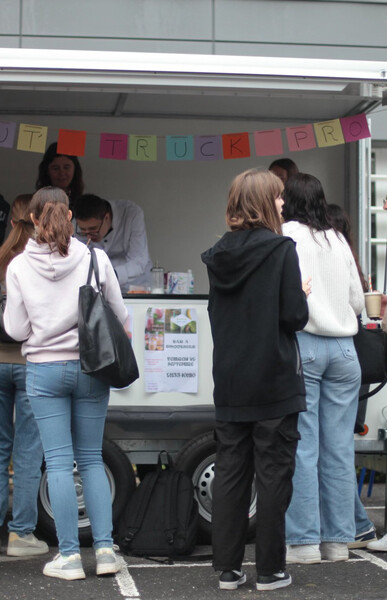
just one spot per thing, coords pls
(70, 409)
(322, 506)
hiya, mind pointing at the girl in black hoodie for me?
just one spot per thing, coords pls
(256, 304)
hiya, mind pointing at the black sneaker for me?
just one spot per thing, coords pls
(362, 539)
(230, 580)
(272, 582)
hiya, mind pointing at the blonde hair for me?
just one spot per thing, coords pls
(50, 207)
(22, 229)
(251, 201)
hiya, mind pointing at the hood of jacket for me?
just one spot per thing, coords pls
(237, 254)
(49, 263)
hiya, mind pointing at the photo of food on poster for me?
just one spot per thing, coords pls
(171, 350)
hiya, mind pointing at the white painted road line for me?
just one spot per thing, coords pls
(126, 582)
(375, 560)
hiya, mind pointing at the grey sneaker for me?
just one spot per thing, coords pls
(28, 545)
(65, 567)
(107, 561)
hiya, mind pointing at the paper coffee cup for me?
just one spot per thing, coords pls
(373, 304)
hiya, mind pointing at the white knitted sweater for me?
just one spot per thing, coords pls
(337, 295)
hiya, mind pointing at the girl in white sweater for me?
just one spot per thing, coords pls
(320, 518)
(69, 406)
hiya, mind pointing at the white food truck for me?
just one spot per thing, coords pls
(184, 203)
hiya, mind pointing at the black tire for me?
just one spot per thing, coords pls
(122, 484)
(197, 459)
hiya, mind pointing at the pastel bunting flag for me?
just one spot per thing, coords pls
(7, 134)
(355, 128)
(32, 138)
(180, 147)
(236, 145)
(114, 146)
(268, 143)
(71, 142)
(300, 138)
(143, 147)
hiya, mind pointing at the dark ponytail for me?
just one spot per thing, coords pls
(50, 207)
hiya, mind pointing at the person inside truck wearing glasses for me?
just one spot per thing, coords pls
(117, 227)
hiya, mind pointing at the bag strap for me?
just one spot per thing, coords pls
(138, 517)
(93, 267)
(171, 506)
(374, 391)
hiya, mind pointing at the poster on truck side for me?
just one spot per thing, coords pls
(171, 350)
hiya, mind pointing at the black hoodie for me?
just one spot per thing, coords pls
(256, 304)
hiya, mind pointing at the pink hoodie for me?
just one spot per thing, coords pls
(42, 299)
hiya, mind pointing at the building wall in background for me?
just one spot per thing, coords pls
(347, 29)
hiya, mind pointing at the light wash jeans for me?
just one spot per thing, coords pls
(70, 409)
(362, 521)
(322, 507)
(19, 438)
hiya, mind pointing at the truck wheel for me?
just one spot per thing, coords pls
(122, 483)
(197, 459)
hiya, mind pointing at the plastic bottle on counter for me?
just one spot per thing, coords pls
(191, 281)
(157, 279)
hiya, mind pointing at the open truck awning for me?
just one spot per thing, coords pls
(128, 84)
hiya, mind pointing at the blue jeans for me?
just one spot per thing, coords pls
(19, 438)
(362, 521)
(70, 409)
(322, 507)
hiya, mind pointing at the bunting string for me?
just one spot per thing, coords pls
(226, 146)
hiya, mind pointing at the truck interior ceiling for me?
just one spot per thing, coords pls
(166, 95)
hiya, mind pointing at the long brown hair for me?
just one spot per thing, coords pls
(50, 207)
(340, 221)
(251, 201)
(22, 229)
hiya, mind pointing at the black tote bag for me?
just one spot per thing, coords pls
(104, 347)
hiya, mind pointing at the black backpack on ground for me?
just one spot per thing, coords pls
(161, 518)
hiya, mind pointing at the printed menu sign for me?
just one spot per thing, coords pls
(171, 350)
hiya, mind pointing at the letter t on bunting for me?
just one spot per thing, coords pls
(71, 142)
(113, 145)
(236, 145)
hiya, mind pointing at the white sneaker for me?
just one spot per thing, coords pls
(28, 545)
(306, 554)
(107, 561)
(378, 545)
(334, 551)
(65, 567)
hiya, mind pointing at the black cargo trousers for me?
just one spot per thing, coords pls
(267, 449)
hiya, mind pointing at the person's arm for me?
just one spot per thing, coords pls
(16, 321)
(294, 312)
(356, 292)
(135, 258)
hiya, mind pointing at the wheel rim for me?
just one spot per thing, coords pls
(203, 480)
(83, 519)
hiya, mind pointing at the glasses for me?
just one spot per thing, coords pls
(89, 230)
